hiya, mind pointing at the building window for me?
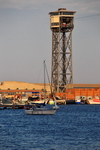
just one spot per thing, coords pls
(83, 89)
(54, 14)
(54, 24)
(90, 89)
(77, 89)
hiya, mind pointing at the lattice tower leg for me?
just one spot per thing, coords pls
(61, 71)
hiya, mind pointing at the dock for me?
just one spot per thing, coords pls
(13, 106)
(21, 106)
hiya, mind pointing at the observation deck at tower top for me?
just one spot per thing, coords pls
(61, 19)
(62, 12)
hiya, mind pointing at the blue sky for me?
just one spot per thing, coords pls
(26, 39)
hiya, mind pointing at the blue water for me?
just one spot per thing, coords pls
(72, 127)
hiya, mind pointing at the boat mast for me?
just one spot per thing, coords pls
(46, 73)
(44, 81)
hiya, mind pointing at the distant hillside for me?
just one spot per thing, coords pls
(22, 85)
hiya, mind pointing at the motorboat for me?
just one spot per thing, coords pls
(79, 100)
(93, 101)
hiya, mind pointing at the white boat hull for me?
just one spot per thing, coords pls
(94, 101)
(39, 111)
(78, 101)
(38, 102)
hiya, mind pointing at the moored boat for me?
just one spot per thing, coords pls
(78, 101)
(93, 101)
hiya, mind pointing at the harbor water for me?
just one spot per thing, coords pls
(72, 127)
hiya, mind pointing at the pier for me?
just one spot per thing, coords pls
(13, 106)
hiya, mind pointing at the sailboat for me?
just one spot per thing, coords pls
(53, 100)
(40, 108)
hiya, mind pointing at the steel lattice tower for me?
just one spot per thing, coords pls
(61, 24)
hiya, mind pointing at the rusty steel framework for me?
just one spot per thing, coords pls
(61, 69)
